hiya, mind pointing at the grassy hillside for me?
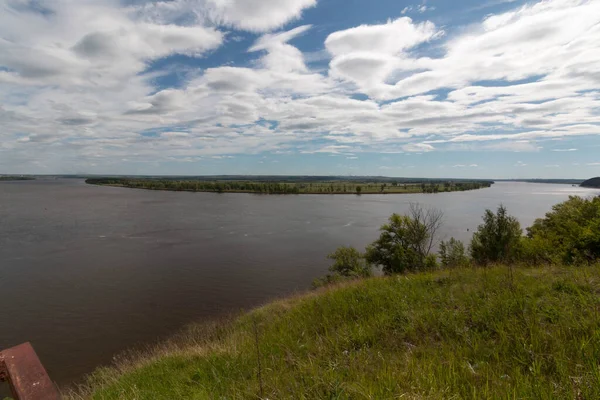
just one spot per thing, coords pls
(469, 333)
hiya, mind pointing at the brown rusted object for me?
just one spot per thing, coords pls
(26, 375)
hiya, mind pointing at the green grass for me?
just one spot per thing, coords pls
(462, 334)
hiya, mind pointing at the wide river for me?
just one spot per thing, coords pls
(87, 271)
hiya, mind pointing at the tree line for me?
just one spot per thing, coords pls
(271, 187)
(16, 178)
(567, 235)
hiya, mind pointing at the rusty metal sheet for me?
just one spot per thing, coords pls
(26, 375)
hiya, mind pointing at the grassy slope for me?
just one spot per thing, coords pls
(459, 334)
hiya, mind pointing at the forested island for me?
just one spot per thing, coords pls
(295, 185)
(4, 178)
(592, 183)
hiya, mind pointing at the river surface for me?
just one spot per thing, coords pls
(88, 271)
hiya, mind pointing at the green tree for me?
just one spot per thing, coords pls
(431, 263)
(358, 189)
(349, 262)
(405, 241)
(394, 251)
(569, 234)
(497, 239)
(452, 254)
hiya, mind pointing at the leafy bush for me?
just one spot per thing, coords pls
(452, 254)
(348, 263)
(405, 241)
(497, 239)
(395, 251)
(537, 251)
(569, 234)
(431, 263)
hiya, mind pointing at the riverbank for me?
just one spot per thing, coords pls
(353, 186)
(9, 178)
(467, 333)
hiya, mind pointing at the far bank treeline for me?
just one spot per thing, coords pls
(15, 178)
(309, 186)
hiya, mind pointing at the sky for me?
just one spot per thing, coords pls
(463, 88)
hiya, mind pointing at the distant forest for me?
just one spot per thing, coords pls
(16, 178)
(592, 183)
(296, 185)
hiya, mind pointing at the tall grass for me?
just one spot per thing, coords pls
(467, 333)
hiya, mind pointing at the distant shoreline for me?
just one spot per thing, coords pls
(298, 188)
(593, 183)
(16, 178)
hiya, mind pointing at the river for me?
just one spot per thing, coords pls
(88, 271)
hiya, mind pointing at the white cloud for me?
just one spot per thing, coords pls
(418, 147)
(390, 38)
(490, 3)
(280, 55)
(368, 54)
(257, 15)
(507, 83)
(420, 8)
(507, 46)
(89, 44)
(250, 15)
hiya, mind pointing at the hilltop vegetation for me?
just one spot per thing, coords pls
(470, 327)
(569, 235)
(465, 333)
(592, 183)
(294, 187)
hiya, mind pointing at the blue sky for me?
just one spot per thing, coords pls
(489, 89)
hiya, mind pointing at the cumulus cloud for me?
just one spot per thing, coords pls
(506, 47)
(280, 55)
(257, 15)
(88, 43)
(368, 54)
(418, 147)
(78, 82)
(250, 15)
